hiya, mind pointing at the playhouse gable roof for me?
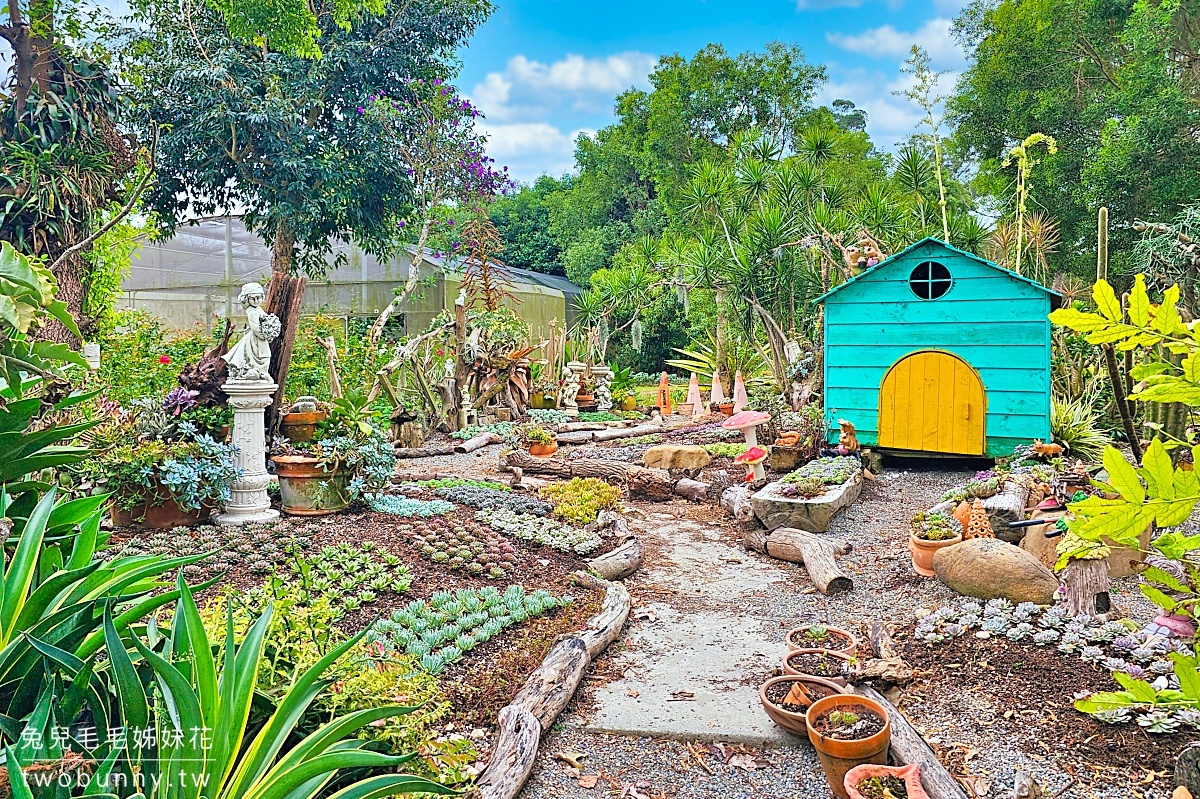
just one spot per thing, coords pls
(938, 243)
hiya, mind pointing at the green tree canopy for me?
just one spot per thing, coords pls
(1116, 83)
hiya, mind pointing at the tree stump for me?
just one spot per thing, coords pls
(1085, 587)
(653, 484)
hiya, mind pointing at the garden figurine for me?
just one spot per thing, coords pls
(572, 378)
(740, 398)
(717, 395)
(693, 397)
(250, 358)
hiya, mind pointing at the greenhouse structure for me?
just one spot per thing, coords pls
(194, 277)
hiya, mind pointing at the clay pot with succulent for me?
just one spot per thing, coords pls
(848, 731)
(539, 441)
(929, 533)
(823, 636)
(818, 663)
(786, 699)
(870, 781)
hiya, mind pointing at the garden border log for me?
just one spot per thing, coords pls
(736, 500)
(909, 747)
(481, 440)
(648, 483)
(548, 690)
(423, 452)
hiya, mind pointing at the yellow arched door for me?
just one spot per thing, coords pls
(932, 402)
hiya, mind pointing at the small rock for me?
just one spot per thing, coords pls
(672, 456)
(988, 568)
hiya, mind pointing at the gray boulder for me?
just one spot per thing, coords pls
(988, 568)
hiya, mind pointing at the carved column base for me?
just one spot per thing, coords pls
(248, 502)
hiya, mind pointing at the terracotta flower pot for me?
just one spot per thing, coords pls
(164, 516)
(585, 399)
(543, 450)
(837, 755)
(791, 720)
(910, 774)
(726, 408)
(923, 551)
(543, 400)
(308, 489)
(300, 428)
(837, 640)
(788, 668)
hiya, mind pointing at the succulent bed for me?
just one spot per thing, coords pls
(460, 546)
(477, 684)
(1039, 684)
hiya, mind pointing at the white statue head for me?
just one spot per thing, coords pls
(252, 294)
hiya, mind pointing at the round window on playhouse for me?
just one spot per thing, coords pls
(930, 280)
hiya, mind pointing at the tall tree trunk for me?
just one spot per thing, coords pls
(284, 297)
(70, 291)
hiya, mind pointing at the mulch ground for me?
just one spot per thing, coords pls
(1030, 690)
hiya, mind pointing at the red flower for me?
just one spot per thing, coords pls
(441, 352)
(164, 359)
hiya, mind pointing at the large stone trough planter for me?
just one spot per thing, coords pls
(814, 515)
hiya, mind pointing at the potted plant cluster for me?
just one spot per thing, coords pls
(848, 731)
(931, 532)
(786, 699)
(538, 440)
(544, 395)
(161, 462)
(348, 457)
(624, 395)
(299, 424)
(818, 663)
(823, 636)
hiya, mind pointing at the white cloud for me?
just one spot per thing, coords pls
(822, 5)
(888, 42)
(525, 104)
(530, 149)
(575, 73)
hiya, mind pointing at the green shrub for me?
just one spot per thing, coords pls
(722, 449)
(580, 499)
(141, 357)
(299, 635)
(1077, 426)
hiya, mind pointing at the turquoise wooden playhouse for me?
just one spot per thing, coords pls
(936, 350)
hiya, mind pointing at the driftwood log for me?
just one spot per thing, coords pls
(736, 500)
(1085, 587)
(547, 692)
(1007, 506)
(816, 551)
(644, 483)
(888, 666)
(623, 561)
(607, 433)
(481, 440)
(909, 747)
(424, 452)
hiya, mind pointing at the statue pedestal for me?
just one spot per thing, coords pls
(248, 502)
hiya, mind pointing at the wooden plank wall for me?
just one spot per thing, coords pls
(996, 323)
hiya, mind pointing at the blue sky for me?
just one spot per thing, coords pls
(546, 70)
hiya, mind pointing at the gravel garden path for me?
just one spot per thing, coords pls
(672, 710)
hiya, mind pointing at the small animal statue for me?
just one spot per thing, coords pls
(869, 254)
(1047, 451)
(854, 260)
(847, 440)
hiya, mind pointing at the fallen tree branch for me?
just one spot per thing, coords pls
(817, 552)
(547, 692)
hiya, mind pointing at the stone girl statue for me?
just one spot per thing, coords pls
(250, 358)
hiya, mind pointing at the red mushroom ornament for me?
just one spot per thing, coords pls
(753, 458)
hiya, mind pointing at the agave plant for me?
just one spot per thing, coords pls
(55, 589)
